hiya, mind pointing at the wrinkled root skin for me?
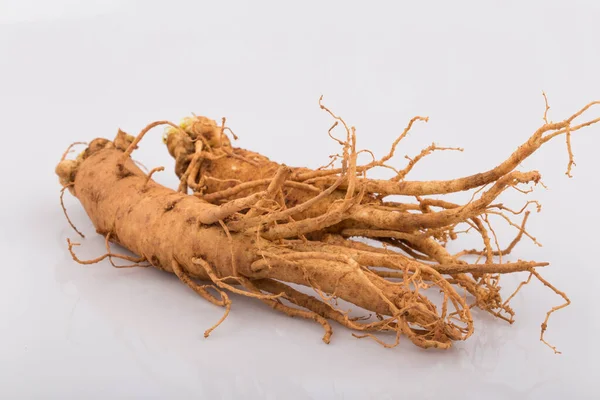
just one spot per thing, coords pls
(156, 223)
(229, 171)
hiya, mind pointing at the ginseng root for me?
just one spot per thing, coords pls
(259, 229)
(188, 236)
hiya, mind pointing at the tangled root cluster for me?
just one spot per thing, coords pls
(307, 227)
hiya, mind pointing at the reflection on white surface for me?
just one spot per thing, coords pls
(71, 331)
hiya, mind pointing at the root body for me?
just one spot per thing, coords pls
(188, 236)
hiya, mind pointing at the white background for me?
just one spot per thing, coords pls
(74, 70)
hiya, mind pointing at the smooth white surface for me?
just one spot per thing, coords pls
(74, 71)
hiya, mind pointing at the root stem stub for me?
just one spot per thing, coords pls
(257, 228)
